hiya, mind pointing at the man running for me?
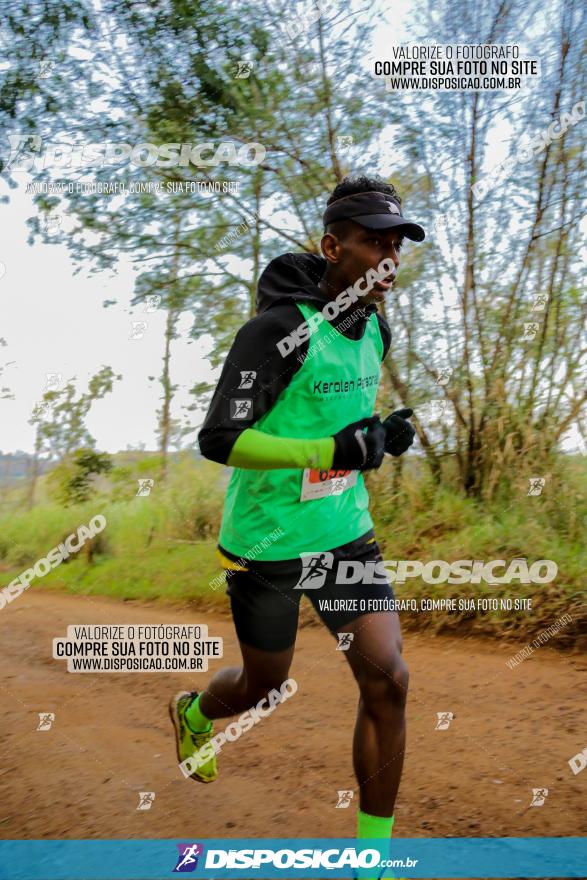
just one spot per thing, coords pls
(293, 415)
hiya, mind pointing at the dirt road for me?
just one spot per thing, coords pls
(512, 731)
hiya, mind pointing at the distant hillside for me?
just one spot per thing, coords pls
(17, 465)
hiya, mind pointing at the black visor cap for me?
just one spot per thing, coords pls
(374, 210)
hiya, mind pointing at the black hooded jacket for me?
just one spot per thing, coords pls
(287, 279)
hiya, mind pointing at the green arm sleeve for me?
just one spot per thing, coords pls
(258, 451)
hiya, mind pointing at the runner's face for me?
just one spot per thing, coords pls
(364, 249)
(358, 250)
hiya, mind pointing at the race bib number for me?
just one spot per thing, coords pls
(322, 483)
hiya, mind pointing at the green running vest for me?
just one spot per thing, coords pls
(264, 516)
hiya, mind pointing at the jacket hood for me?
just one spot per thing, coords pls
(294, 278)
(291, 278)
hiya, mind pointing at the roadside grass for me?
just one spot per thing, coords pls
(173, 574)
(161, 547)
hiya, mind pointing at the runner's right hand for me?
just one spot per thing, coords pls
(358, 449)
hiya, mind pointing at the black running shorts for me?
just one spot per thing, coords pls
(265, 596)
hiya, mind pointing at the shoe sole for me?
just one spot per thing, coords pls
(173, 714)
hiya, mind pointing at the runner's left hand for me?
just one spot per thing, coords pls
(399, 432)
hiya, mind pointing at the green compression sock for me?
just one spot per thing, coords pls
(196, 719)
(374, 827)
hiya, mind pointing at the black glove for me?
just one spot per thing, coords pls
(357, 450)
(399, 434)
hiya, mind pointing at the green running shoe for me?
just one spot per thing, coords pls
(188, 742)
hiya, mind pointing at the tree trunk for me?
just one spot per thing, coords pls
(170, 325)
(34, 474)
(165, 423)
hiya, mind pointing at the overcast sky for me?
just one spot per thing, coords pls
(53, 322)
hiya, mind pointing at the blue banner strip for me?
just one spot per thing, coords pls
(303, 858)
